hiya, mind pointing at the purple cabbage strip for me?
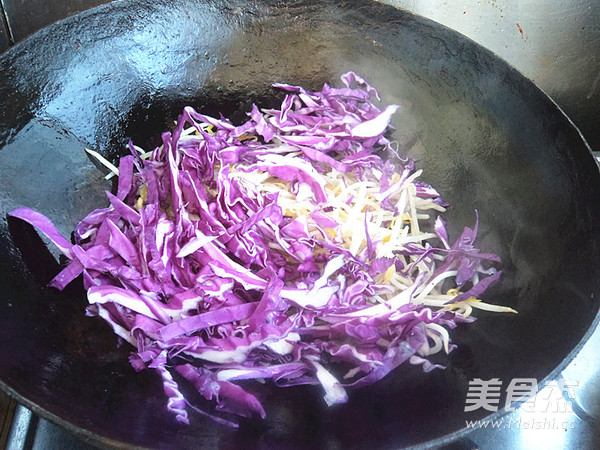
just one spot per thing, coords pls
(205, 277)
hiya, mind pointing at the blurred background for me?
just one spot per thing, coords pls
(555, 43)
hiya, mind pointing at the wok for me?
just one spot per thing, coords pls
(486, 137)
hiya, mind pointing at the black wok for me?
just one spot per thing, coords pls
(491, 141)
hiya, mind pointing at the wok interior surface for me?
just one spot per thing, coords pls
(486, 138)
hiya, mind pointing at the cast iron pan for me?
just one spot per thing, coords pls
(491, 141)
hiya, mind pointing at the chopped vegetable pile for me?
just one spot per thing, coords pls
(296, 247)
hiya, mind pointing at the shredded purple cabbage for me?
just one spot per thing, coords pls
(295, 247)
